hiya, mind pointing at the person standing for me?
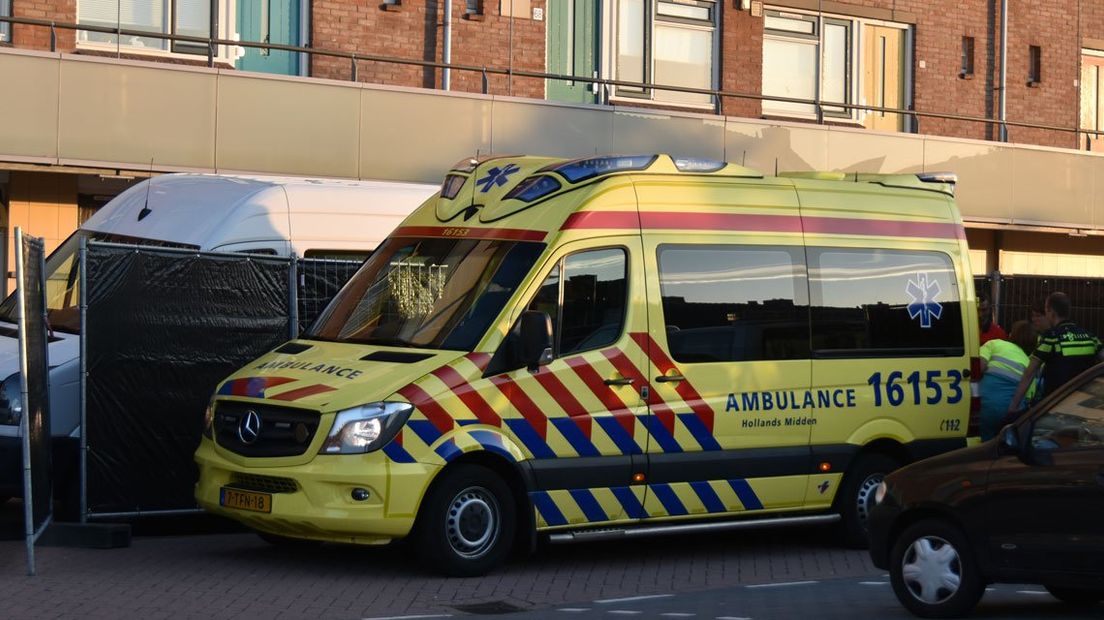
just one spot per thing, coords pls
(988, 328)
(1003, 364)
(1066, 349)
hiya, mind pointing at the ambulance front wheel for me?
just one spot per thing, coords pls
(467, 522)
(856, 497)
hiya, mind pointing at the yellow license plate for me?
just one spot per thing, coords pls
(245, 500)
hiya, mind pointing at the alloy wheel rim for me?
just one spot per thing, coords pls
(932, 570)
(472, 522)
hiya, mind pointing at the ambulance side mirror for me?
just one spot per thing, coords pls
(536, 339)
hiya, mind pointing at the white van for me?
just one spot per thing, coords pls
(266, 215)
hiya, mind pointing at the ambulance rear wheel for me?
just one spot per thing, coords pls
(467, 522)
(856, 496)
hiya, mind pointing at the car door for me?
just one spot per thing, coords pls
(729, 349)
(1044, 507)
(584, 415)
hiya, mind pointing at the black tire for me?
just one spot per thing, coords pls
(1076, 596)
(856, 496)
(467, 522)
(933, 571)
(284, 541)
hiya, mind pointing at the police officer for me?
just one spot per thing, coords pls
(1066, 349)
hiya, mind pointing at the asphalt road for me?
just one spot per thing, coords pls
(842, 599)
(209, 570)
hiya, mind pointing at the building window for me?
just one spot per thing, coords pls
(1092, 110)
(5, 28)
(1034, 65)
(665, 42)
(838, 59)
(967, 70)
(179, 17)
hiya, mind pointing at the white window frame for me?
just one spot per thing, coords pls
(227, 21)
(610, 27)
(856, 51)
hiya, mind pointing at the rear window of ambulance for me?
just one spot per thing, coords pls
(884, 303)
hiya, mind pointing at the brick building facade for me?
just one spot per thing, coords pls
(752, 42)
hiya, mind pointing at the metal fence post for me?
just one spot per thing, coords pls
(293, 297)
(84, 380)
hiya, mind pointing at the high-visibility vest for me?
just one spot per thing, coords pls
(1006, 359)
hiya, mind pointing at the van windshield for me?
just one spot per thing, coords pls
(439, 293)
(63, 280)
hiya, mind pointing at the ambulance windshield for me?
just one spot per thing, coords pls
(436, 293)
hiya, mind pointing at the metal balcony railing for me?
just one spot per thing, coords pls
(604, 85)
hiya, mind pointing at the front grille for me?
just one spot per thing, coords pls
(282, 431)
(262, 484)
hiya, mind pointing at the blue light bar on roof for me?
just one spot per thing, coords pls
(533, 188)
(583, 169)
(698, 164)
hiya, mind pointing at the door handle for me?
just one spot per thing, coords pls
(670, 378)
(622, 381)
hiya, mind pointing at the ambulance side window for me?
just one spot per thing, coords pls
(884, 303)
(724, 303)
(586, 303)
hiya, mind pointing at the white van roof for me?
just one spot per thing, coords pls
(210, 211)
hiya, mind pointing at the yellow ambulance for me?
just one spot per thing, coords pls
(611, 346)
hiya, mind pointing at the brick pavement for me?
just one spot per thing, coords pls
(237, 575)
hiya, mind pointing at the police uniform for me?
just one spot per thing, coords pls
(1066, 350)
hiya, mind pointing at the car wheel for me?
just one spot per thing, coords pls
(933, 571)
(467, 522)
(1076, 596)
(856, 496)
(285, 541)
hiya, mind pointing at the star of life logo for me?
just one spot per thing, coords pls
(496, 176)
(923, 292)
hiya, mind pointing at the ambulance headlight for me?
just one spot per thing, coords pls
(11, 400)
(366, 428)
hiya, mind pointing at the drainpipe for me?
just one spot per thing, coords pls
(1002, 114)
(446, 56)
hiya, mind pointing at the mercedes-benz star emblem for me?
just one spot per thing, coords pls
(249, 427)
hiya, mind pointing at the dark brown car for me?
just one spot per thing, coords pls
(1024, 507)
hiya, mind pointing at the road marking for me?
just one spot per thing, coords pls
(409, 617)
(607, 601)
(873, 583)
(574, 610)
(625, 612)
(1031, 592)
(780, 585)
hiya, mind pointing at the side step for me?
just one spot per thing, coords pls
(687, 528)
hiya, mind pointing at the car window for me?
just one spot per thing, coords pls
(585, 297)
(1075, 422)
